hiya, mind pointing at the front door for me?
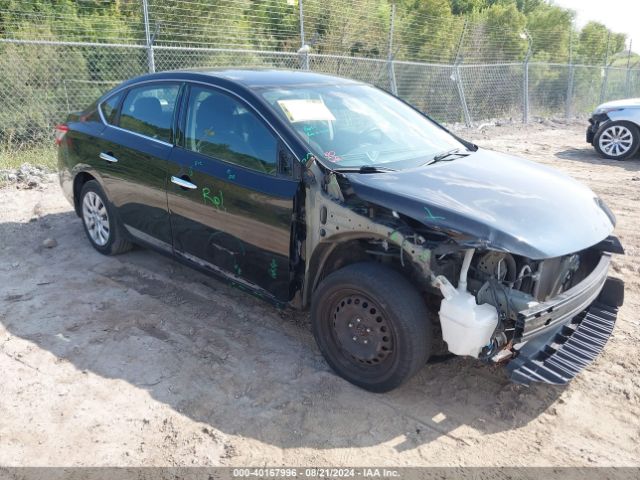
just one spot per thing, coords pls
(230, 207)
(135, 153)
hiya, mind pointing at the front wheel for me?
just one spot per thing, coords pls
(371, 325)
(617, 140)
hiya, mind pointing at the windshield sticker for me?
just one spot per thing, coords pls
(331, 156)
(305, 110)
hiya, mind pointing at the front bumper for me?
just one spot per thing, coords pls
(546, 316)
(558, 355)
(594, 124)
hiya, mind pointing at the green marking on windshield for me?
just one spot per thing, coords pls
(308, 157)
(431, 216)
(310, 130)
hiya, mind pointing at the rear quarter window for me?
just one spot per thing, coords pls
(109, 107)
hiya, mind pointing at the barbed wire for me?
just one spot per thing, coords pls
(459, 69)
(358, 28)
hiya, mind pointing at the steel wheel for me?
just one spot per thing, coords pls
(362, 330)
(371, 325)
(96, 218)
(616, 140)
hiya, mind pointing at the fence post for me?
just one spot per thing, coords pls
(605, 80)
(627, 81)
(304, 48)
(66, 94)
(568, 110)
(525, 81)
(569, 100)
(147, 34)
(458, 79)
(392, 71)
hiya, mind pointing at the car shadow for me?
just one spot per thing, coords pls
(226, 359)
(590, 156)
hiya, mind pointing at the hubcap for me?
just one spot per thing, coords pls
(362, 330)
(616, 140)
(96, 219)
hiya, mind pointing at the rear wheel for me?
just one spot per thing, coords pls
(100, 222)
(617, 140)
(371, 325)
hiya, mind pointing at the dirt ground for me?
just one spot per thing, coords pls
(138, 360)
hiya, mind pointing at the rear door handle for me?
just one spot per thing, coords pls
(108, 157)
(181, 182)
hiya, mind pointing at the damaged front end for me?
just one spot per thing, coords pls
(544, 311)
(554, 316)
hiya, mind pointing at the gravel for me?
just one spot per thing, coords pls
(27, 176)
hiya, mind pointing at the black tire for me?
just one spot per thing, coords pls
(389, 312)
(115, 241)
(608, 131)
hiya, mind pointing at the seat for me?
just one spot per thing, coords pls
(149, 110)
(214, 122)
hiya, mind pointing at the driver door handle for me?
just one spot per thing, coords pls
(181, 182)
(108, 157)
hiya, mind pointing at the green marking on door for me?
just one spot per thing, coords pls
(215, 200)
(273, 269)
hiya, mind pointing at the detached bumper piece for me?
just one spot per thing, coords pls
(558, 357)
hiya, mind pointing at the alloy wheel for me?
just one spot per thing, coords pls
(96, 218)
(616, 140)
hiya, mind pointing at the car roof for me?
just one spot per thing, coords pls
(255, 77)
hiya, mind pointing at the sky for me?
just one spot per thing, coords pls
(621, 16)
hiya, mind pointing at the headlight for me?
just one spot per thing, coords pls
(601, 110)
(606, 210)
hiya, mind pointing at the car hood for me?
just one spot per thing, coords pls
(495, 200)
(625, 103)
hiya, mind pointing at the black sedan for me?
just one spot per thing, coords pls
(318, 192)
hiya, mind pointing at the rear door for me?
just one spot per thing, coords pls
(230, 199)
(134, 152)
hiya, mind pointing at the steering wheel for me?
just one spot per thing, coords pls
(373, 133)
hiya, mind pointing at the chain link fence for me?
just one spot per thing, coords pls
(472, 73)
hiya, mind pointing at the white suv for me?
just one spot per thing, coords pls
(615, 129)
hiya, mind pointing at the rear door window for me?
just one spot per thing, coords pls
(148, 110)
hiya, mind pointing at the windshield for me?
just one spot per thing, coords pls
(354, 126)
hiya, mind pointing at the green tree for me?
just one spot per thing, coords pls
(428, 30)
(594, 40)
(550, 28)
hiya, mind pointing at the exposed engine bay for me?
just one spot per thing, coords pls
(512, 284)
(484, 291)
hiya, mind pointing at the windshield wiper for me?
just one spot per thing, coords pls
(447, 154)
(374, 169)
(366, 169)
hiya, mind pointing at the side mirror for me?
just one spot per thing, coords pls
(285, 161)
